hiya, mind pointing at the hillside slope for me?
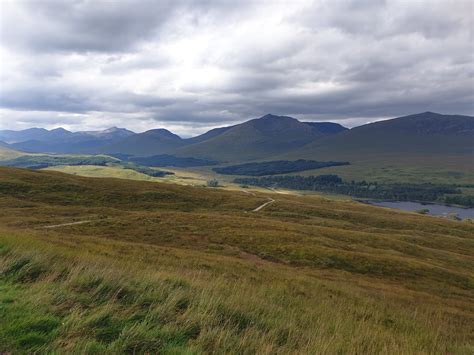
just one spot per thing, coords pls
(7, 153)
(255, 139)
(425, 133)
(159, 268)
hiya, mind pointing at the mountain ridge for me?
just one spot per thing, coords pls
(254, 139)
(268, 137)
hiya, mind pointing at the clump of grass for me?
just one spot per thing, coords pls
(106, 308)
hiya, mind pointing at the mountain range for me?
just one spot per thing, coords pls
(254, 139)
(60, 140)
(268, 137)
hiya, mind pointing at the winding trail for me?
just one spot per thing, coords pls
(259, 208)
(270, 200)
(66, 224)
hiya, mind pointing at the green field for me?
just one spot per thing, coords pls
(102, 171)
(163, 268)
(410, 171)
(181, 176)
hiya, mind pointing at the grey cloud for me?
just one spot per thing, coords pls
(97, 26)
(102, 26)
(35, 99)
(326, 59)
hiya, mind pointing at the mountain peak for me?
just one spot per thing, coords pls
(427, 114)
(327, 127)
(116, 130)
(59, 130)
(162, 132)
(270, 116)
(112, 129)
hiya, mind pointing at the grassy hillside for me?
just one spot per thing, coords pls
(7, 153)
(175, 269)
(180, 176)
(255, 139)
(427, 133)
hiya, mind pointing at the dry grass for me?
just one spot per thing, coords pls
(175, 269)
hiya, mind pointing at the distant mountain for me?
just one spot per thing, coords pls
(208, 135)
(111, 133)
(255, 139)
(327, 127)
(419, 138)
(60, 140)
(9, 136)
(157, 142)
(426, 134)
(153, 142)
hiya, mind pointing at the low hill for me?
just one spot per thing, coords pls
(116, 266)
(7, 153)
(255, 139)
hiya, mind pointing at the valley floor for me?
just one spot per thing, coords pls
(178, 269)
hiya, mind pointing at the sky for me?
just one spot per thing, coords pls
(189, 66)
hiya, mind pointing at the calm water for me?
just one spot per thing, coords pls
(435, 210)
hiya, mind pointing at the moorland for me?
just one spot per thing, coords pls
(112, 265)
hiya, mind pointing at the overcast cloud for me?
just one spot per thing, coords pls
(190, 66)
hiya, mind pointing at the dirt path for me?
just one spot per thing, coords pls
(270, 200)
(282, 192)
(66, 224)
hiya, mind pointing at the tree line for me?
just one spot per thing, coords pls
(425, 192)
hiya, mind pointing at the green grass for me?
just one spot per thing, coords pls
(173, 269)
(102, 171)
